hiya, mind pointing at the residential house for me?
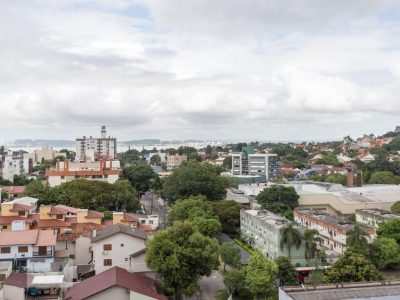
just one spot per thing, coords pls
(144, 222)
(13, 191)
(115, 283)
(175, 161)
(30, 249)
(114, 245)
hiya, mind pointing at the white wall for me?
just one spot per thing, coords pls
(119, 254)
(13, 293)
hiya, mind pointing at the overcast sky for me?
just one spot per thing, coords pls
(204, 69)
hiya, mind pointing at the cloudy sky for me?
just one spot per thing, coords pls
(204, 69)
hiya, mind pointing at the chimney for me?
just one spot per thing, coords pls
(350, 179)
(103, 132)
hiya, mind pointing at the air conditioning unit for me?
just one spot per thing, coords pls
(105, 252)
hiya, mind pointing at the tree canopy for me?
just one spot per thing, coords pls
(396, 207)
(230, 255)
(260, 274)
(279, 199)
(182, 255)
(390, 229)
(287, 273)
(385, 252)
(352, 267)
(290, 236)
(192, 179)
(228, 212)
(141, 176)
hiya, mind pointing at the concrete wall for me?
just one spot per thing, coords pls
(123, 245)
(111, 293)
(13, 293)
(82, 255)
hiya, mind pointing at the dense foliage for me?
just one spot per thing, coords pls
(230, 255)
(141, 176)
(287, 273)
(228, 212)
(181, 255)
(193, 179)
(390, 229)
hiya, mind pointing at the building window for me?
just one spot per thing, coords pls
(108, 262)
(21, 213)
(22, 249)
(62, 177)
(142, 221)
(151, 222)
(59, 217)
(4, 227)
(107, 247)
(5, 250)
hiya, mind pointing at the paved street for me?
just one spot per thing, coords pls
(208, 287)
(155, 205)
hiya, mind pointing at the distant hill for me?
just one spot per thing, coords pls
(39, 143)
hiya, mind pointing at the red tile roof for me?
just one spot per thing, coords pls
(145, 227)
(58, 211)
(20, 237)
(130, 218)
(67, 208)
(94, 214)
(114, 277)
(17, 279)
(34, 217)
(46, 238)
(86, 228)
(51, 223)
(7, 220)
(20, 207)
(13, 189)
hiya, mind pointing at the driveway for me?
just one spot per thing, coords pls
(208, 287)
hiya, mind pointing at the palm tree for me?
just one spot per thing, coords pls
(357, 237)
(290, 237)
(311, 238)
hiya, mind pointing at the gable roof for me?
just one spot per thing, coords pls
(51, 223)
(114, 277)
(17, 279)
(7, 220)
(118, 228)
(20, 237)
(20, 207)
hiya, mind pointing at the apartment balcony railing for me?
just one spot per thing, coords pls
(43, 253)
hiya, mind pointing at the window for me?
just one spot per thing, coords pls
(150, 221)
(4, 227)
(62, 177)
(5, 250)
(107, 247)
(21, 213)
(22, 249)
(108, 262)
(142, 221)
(59, 217)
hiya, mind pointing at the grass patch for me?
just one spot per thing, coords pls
(245, 246)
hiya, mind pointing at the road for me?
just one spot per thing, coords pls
(209, 287)
(155, 206)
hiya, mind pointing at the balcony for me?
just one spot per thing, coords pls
(42, 252)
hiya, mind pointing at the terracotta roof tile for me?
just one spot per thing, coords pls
(13, 189)
(94, 214)
(58, 211)
(86, 229)
(17, 279)
(130, 218)
(145, 227)
(114, 277)
(7, 220)
(46, 238)
(34, 217)
(21, 237)
(20, 207)
(67, 208)
(51, 223)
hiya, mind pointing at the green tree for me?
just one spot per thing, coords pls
(141, 176)
(227, 163)
(396, 207)
(188, 209)
(337, 178)
(290, 236)
(384, 177)
(193, 179)
(280, 194)
(155, 160)
(181, 256)
(287, 273)
(352, 267)
(35, 189)
(4, 195)
(234, 281)
(385, 252)
(357, 238)
(390, 229)
(130, 157)
(207, 226)
(311, 239)
(228, 212)
(190, 152)
(230, 255)
(260, 274)
(124, 196)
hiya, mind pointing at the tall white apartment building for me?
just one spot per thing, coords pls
(257, 164)
(103, 147)
(12, 164)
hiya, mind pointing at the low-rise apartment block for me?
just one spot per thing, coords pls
(373, 217)
(102, 170)
(175, 161)
(262, 229)
(333, 230)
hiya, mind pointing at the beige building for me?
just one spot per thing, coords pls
(44, 154)
(174, 161)
(374, 217)
(113, 246)
(102, 170)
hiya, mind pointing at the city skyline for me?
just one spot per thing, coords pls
(276, 71)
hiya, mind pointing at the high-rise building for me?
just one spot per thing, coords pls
(95, 148)
(247, 163)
